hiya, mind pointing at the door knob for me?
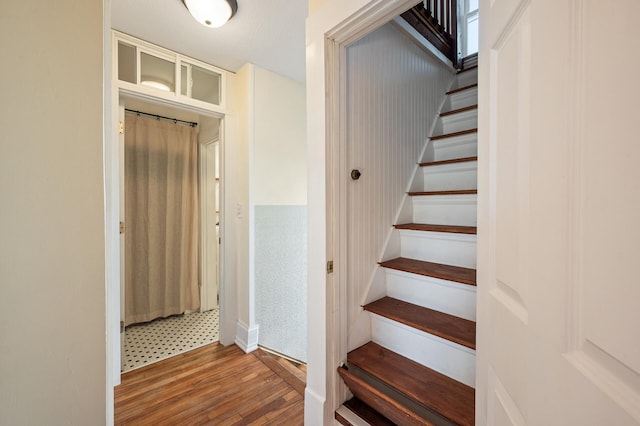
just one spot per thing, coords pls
(355, 174)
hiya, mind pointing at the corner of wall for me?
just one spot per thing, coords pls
(246, 337)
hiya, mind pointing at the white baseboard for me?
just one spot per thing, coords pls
(246, 337)
(314, 409)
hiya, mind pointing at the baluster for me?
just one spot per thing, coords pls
(441, 17)
(434, 14)
(448, 19)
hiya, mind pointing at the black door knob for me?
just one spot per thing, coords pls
(355, 174)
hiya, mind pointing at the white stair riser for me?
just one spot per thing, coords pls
(448, 358)
(461, 99)
(439, 247)
(466, 78)
(451, 176)
(445, 209)
(456, 122)
(351, 417)
(452, 148)
(433, 293)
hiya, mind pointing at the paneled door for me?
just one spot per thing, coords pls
(559, 201)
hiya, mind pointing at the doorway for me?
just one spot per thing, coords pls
(170, 203)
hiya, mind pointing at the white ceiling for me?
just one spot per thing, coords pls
(268, 33)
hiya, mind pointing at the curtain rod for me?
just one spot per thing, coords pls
(175, 120)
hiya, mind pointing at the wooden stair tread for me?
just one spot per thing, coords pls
(430, 269)
(448, 192)
(467, 69)
(366, 413)
(454, 134)
(452, 161)
(453, 229)
(459, 110)
(449, 327)
(461, 89)
(381, 402)
(451, 399)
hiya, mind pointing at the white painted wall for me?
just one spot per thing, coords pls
(279, 172)
(52, 275)
(270, 169)
(208, 129)
(278, 206)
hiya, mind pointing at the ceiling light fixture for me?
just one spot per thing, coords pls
(211, 13)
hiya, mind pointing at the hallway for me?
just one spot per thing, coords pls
(214, 385)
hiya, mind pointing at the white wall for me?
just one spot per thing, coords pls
(394, 92)
(278, 206)
(270, 169)
(52, 276)
(279, 172)
(209, 129)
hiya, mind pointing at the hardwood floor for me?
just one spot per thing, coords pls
(213, 385)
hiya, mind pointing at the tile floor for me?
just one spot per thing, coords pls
(165, 337)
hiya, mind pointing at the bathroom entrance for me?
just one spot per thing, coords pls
(170, 202)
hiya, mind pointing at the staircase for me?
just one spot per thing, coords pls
(419, 367)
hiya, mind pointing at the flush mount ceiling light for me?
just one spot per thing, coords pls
(211, 13)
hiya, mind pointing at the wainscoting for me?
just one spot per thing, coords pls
(281, 278)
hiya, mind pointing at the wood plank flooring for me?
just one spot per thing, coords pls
(213, 385)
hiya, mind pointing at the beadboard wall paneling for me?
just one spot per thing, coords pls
(394, 91)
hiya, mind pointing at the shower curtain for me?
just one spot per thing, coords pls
(161, 214)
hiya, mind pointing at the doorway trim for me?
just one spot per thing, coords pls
(112, 236)
(330, 33)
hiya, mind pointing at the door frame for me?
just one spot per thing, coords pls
(332, 35)
(113, 270)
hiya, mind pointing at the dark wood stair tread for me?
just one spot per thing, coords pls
(448, 192)
(381, 402)
(452, 161)
(459, 110)
(467, 69)
(449, 327)
(453, 229)
(461, 89)
(454, 134)
(431, 269)
(367, 413)
(451, 399)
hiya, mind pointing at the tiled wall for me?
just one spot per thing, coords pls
(281, 278)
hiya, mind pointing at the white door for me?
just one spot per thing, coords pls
(559, 197)
(209, 223)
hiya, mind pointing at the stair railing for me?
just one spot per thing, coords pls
(437, 21)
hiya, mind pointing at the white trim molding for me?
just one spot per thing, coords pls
(330, 29)
(246, 337)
